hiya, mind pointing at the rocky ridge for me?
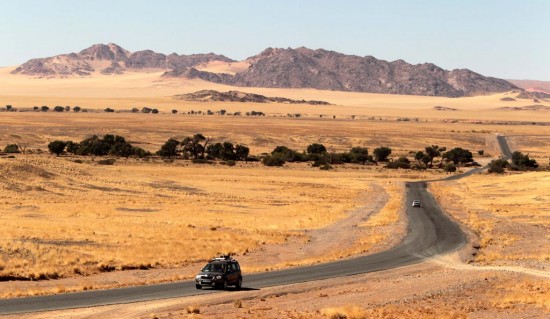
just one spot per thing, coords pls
(279, 68)
(237, 96)
(111, 59)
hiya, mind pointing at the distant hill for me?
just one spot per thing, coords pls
(278, 68)
(111, 59)
(329, 70)
(532, 85)
(237, 96)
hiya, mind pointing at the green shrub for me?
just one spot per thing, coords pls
(272, 160)
(11, 148)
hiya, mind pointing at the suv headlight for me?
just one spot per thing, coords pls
(198, 277)
(218, 277)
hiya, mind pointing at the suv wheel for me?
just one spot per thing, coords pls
(198, 286)
(224, 285)
(239, 283)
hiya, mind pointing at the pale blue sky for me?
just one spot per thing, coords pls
(501, 38)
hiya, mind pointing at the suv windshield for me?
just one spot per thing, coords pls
(214, 268)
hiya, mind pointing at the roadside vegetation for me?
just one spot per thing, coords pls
(200, 149)
(203, 150)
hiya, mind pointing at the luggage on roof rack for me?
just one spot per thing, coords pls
(222, 258)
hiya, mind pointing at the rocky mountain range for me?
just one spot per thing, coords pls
(111, 59)
(279, 68)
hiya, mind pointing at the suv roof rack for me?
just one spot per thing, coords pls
(223, 258)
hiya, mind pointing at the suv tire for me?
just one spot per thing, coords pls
(239, 283)
(198, 286)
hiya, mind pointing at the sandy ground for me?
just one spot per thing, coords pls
(139, 89)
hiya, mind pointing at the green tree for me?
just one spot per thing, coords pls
(242, 152)
(169, 148)
(57, 147)
(195, 146)
(316, 149)
(360, 155)
(381, 153)
(287, 154)
(459, 155)
(433, 152)
(72, 147)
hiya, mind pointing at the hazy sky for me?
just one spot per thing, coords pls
(501, 38)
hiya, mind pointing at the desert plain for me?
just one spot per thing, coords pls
(71, 224)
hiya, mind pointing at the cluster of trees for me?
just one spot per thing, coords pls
(323, 159)
(108, 145)
(197, 147)
(46, 108)
(425, 159)
(200, 149)
(518, 162)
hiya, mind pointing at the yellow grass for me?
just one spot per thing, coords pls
(60, 218)
(526, 292)
(510, 214)
(390, 213)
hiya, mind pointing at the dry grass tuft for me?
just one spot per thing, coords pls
(345, 312)
(193, 309)
(527, 292)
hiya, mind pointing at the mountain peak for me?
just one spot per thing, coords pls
(108, 52)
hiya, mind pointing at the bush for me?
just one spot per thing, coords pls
(522, 161)
(109, 110)
(325, 167)
(498, 166)
(12, 148)
(58, 109)
(273, 160)
(57, 147)
(398, 164)
(77, 109)
(107, 161)
(450, 168)
(381, 153)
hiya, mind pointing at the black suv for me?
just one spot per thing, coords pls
(219, 273)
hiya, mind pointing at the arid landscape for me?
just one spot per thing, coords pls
(76, 225)
(347, 186)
